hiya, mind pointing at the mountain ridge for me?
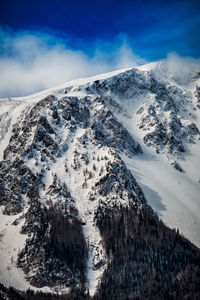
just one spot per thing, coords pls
(71, 162)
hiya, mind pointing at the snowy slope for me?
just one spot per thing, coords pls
(174, 195)
(144, 120)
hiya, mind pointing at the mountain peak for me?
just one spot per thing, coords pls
(82, 164)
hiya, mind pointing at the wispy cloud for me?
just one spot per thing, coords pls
(33, 61)
(181, 68)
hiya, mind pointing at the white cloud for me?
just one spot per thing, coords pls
(32, 61)
(182, 68)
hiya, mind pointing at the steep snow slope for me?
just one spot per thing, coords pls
(145, 120)
(174, 195)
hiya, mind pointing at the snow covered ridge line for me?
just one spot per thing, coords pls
(166, 125)
(160, 69)
(70, 174)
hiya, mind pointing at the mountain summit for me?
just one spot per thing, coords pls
(87, 171)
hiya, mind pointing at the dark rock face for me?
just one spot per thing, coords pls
(105, 127)
(177, 166)
(55, 252)
(57, 139)
(166, 134)
(197, 94)
(16, 179)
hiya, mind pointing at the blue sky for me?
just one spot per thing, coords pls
(153, 27)
(100, 35)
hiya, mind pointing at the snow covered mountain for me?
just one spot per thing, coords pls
(82, 166)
